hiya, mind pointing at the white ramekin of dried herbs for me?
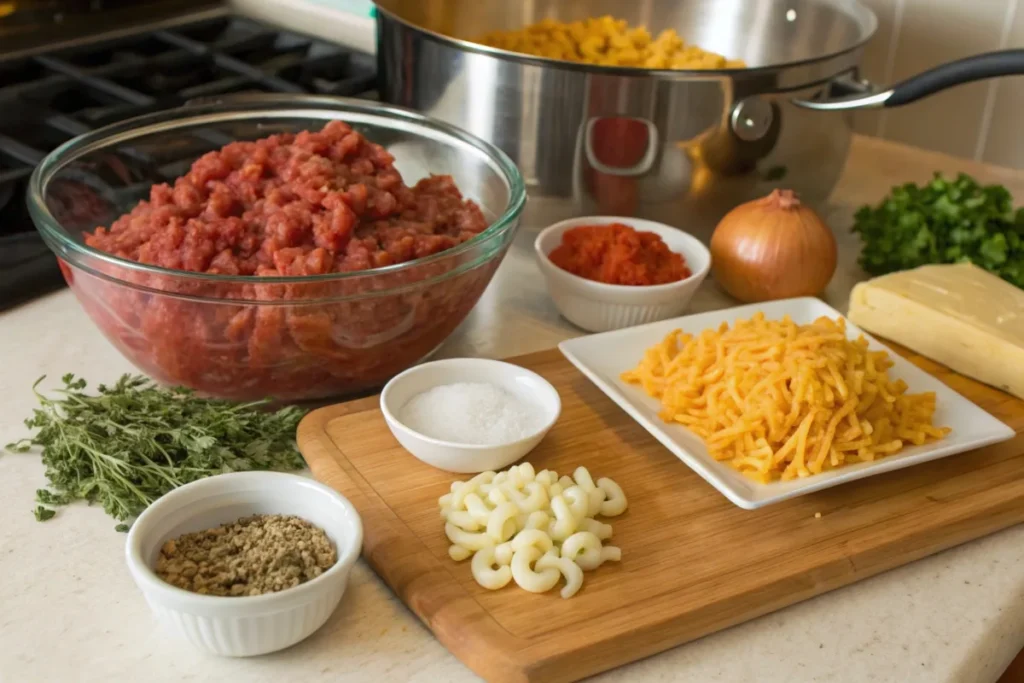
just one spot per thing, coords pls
(245, 563)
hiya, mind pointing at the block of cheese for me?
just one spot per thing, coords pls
(959, 315)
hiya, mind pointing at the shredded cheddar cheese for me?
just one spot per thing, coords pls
(777, 400)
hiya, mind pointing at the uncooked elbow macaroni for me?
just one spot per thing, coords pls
(532, 528)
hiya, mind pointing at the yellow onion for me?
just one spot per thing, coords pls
(773, 248)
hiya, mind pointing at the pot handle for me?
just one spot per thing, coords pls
(967, 70)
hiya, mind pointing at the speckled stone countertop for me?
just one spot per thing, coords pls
(70, 611)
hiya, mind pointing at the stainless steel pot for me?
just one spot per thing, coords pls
(676, 146)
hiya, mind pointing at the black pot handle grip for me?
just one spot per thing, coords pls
(967, 70)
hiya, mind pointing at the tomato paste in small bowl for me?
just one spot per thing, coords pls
(619, 254)
(608, 272)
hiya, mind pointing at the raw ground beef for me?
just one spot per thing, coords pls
(306, 204)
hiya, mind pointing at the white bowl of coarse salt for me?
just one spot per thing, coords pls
(469, 415)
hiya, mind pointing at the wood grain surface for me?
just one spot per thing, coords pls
(693, 563)
(1015, 672)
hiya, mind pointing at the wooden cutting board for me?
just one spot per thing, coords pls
(692, 562)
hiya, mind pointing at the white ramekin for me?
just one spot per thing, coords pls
(599, 307)
(244, 626)
(464, 458)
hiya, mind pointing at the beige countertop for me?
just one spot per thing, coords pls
(71, 612)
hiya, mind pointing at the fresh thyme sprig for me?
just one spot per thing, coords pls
(132, 442)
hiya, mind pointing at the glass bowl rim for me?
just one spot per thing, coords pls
(272, 107)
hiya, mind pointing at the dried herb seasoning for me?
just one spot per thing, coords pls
(251, 556)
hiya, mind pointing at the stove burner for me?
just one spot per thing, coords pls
(47, 99)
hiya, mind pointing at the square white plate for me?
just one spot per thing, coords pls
(603, 357)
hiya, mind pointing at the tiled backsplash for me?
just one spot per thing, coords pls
(980, 121)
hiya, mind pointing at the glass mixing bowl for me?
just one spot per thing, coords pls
(247, 337)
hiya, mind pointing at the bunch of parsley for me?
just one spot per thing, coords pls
(132, 442)
(944, 221)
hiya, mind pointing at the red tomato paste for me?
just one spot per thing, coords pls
(618, 254)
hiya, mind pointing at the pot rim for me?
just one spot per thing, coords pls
(856, 6)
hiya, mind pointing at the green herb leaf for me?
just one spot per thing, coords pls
(50, 498)
(42, 514)
(993, 250)
(943, 221)
(128, 444)
(774, 173)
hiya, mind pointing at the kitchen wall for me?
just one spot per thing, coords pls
(982, 121)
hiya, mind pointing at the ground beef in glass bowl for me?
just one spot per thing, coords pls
(294, 248)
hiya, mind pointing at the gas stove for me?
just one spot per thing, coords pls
(50, 95)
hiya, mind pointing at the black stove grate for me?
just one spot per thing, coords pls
(47, 99)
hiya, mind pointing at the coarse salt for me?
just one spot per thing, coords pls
(471, 413)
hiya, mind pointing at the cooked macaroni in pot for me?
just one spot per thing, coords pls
(607, 41)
